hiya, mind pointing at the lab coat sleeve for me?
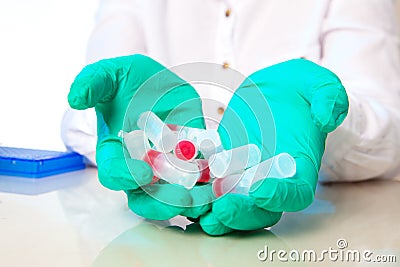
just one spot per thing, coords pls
(117, 32)
(361, 45)
(79, 133)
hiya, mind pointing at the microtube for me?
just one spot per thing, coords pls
(185, 149)
(226, 185)
(209, 143)
(189, 133)
(280, 166)
(157, 131)
(234, 160)
(136, 143)
(173, 170)
(207, 140)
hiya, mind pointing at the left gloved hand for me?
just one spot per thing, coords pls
(305, 102)
(121, 89)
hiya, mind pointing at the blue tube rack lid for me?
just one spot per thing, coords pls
(34, 163)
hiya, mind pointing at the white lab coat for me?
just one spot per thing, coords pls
(357, 40)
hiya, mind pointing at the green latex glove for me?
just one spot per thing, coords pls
(116, 85)
(306, 102)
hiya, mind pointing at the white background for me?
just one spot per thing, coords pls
(42, 48)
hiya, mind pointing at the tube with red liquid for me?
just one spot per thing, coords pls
(173, 170)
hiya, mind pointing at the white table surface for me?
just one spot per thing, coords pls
(71, 220)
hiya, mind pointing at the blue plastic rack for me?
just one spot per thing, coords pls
(34, 163)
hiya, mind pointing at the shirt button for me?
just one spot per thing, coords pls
(220, 110)
(228, 12)
(225, 65)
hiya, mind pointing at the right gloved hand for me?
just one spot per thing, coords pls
(131, 85)
(297, 103)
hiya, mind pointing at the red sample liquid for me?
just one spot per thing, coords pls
(185, 150)
(149, 158)
(204, 171)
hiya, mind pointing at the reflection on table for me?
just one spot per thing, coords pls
(77, 222)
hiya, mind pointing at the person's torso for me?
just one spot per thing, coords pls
(244, 36)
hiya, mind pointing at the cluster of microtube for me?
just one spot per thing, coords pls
(187, 156)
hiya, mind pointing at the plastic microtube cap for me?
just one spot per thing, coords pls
(136, 143)
(173, 170)
(186, 150)
(280, 166)
(235, 160)
(157, 131)
(209, 143)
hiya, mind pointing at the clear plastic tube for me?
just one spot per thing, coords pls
(157, 131)
(136, 143)
(235, 160)
(189, 133)
(173, 170)
(280, 166)
(138, 146)
(209, 143)
(166, 166)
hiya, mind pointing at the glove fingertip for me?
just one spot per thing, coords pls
(118, 174)
(196, 211)
(149, 208)
(202, 198)
(141, 171)
(77, 102)
(331, 125)
(329, 108)
(81, 94)
(212, 226)
(96, 83)
(280, 195)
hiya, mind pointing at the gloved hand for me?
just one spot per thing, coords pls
(110, 86)
(306, 102)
